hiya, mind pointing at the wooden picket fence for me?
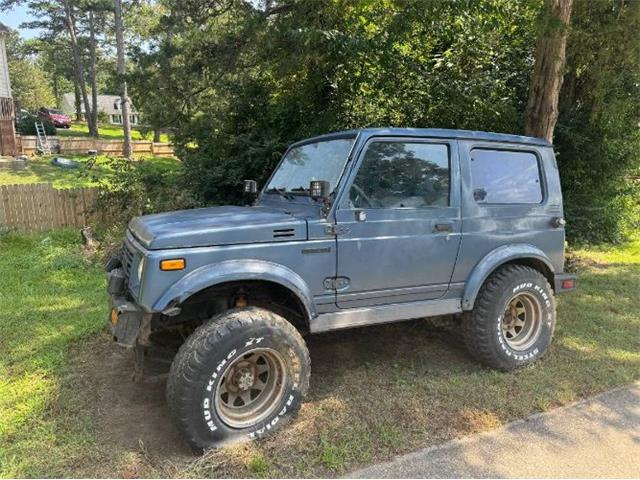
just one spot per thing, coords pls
(38, 207)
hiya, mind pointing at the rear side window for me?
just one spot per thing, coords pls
(502, 176)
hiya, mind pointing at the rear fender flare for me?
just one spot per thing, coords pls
(494, 259)
(237, 270)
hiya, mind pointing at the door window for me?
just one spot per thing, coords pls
(503, 176)
(402, 175)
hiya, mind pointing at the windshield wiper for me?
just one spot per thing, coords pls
(300, 189)
(281, 191)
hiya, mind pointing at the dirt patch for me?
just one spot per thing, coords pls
(133, 421)
(130, 419)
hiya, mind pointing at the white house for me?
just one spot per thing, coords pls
(7, 133)
(5, 86)
(109, 104)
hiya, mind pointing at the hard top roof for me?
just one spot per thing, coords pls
(434, 133)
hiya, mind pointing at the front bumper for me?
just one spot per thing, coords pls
(126, 320)
(564, 282)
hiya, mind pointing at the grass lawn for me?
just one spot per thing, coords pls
(107, 132)
(67, 408)
(40, 170)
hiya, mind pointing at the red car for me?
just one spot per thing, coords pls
(55, 116)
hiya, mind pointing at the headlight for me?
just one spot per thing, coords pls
(140, 268)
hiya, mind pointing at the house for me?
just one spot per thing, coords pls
(7, 132)
(109, 104)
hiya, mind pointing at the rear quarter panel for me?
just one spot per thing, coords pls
(486, 227)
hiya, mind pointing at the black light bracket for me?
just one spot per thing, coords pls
(250, 186)
(319, 189)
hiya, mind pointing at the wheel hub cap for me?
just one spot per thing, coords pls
(244, 379)
(251, 388)
(522, 321)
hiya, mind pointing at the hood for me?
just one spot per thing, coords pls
(229, 225)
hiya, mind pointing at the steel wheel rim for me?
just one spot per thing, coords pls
(522, 321)
(251, 388)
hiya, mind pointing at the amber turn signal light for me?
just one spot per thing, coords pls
(172, 264)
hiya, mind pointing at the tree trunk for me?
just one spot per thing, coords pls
(77, 61)
(548, 70)
(124, 97)
(56, 90)
(78, 95)
(92, 74)
(156, 135)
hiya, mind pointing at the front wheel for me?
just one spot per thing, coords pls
(242, 374)
(513, 319)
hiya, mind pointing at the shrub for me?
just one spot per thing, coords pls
(103, 117)
(27, 125)
(140, 188)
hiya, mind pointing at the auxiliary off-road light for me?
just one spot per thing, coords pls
(172, 264)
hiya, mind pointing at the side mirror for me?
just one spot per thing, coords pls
(319, 189)
(250, 186)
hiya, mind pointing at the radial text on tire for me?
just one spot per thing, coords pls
(513, 318)
(242, 374)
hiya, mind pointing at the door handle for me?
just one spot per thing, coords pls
(443, 227)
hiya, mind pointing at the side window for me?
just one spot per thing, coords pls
(401, 174)
(502, 176)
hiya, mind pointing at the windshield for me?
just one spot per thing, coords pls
(322, 160)
(55, 112)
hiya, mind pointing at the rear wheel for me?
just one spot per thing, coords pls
(513, 319)
(241, 375)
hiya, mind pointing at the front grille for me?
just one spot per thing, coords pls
(127, 261)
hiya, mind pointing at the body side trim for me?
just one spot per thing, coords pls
(360, 317)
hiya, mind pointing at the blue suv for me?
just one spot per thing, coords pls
(353, 228)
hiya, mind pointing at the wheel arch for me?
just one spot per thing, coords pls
(522, 254)
(230, 271)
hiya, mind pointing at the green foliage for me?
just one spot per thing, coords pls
(29, 81)
(141, 187)
(27, 125)
(240, 83)
(103, 117)
(29, 85)
(598, 133)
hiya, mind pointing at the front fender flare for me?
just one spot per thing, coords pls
(237, 270)
(493, 260)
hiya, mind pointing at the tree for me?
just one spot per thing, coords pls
(70, 27)
(29, 83)
(70, 23)
(121, 68)
(597, 138)
(94, 15)
(542, 108)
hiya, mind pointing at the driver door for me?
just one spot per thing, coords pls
(399, 223)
